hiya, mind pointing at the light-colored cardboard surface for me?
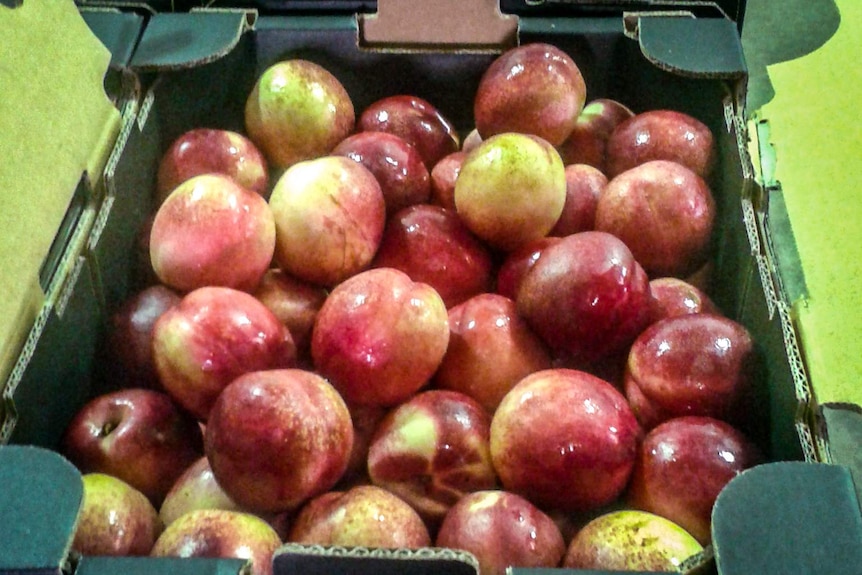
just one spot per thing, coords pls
(816, 130)
(55, 123)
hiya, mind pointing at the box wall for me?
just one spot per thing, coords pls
(57, 378)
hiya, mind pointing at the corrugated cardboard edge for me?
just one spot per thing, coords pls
(107, 565)
(289, 552)
(819, 325)
(176, 41)
(660, 34)
(782, 284)
(840, 438)
(37, 307)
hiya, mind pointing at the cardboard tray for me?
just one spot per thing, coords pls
(52, 181)
(733, 9)
(195, 69)
(810, 166)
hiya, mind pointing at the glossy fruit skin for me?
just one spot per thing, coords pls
(380, 336)
(674, 296)
(535, 89)
(140, 436)
(212, 336)
(295, 303)
(444, 174)
(692, 364)
(206, 151)
(661, 135)
(516, 264)
(491, 348)
(584, 185)
(365, 419)
(196, 488)
(586, 296)
(511, 190)
(629, 540)
(364, 515)
(329, 215)
(398, 167)
(116, 519)
(297, 110)
(471, 140)
(432, 450)
(683, 464)
(129, 344)
(210, 231)
(220, 533)
(417, 121)
(587, 143)
(664, 212)
(502, 529)
(433, 246)
(564, 439)
(276, 438)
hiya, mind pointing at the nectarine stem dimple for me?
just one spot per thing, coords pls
(106, 429)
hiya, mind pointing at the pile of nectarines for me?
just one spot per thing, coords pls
(362, 331)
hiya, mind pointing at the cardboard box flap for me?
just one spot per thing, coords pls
(39, 503)
(771, 36)
(815, 163)
(733, 9)
(293, 558)
(160, 565)
(561, 571)
(181, 40)
(776, 225)
(57, 124)
(292, 7)
(700, 47)
(313, 6)
(118, 30)
(843, 423)
(788, 517)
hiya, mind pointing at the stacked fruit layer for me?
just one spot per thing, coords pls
(359, 330)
